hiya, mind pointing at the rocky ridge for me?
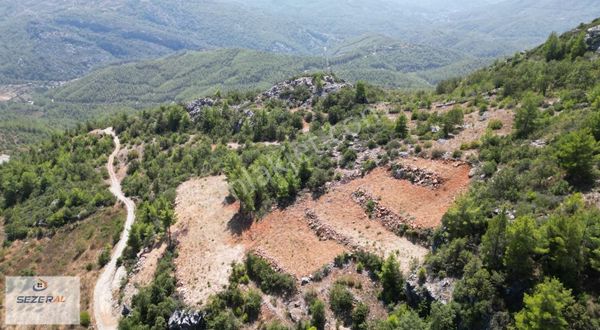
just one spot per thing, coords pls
(301, 92)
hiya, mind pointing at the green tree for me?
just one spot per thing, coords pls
(527, 115)
(575, 153)
(523, 240)
(392, 281)
(401, 126)
(563, 242)
(361, 93)
(359, 316)
(546, 308)
(553, 48)
(317, 312)
(442, 316)
(475, 294)
(451, 119)
(403, 318)
(493, 243)
(84, 319)
(167, 218)
(341, 301)
(578, 48)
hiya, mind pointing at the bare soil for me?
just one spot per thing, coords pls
(206, 250)
(285, 237)
(424, 204)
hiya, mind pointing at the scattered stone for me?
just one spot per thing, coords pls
(445, 105)
(473, 172)
(388, 218)
(325, 232)
(432, 290)
(4, 159)
(305, 280)
(538, 143)
(417, 176)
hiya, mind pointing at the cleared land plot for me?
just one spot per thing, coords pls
(211, 236)
(205, 248)
(424, 204)
(285, 238)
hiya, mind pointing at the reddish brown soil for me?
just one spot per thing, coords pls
(424, 204)
(284, 236)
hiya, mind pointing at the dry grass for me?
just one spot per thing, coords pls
(67, 253)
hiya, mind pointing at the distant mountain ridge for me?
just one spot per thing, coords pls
(60, 40)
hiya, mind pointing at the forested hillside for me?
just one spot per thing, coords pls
(57, 40)
(189, 75)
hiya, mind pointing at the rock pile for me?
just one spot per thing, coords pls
(285, 90)
(195, 108)
(270, 260)
(186, 320)
(390, 220)
(325, 232)
(592, 38)
(417, 176)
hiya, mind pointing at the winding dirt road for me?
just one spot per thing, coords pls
(106, 312)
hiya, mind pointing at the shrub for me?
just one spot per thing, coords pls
(341, 301)
(368, 166)
(359, 316)
(437, 153)
(252, 305)
(269, 280)
(104, 256)
(495, 124)
(84, 319)
(317, 311)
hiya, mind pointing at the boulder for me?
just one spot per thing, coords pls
(187, 320)
(196, 107)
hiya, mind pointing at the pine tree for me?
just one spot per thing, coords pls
(578, 48)
(546, 308)
(553, 48)
(401, 126)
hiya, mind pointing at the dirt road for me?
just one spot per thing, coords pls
(105, 307)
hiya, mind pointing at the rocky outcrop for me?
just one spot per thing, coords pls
(417, 176)
(300, 92)
(187, 320)
(592, 38)
(432, 290)
(196, 107)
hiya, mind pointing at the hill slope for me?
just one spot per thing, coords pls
(520, 249)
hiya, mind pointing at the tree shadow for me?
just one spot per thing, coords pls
(239, 223)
